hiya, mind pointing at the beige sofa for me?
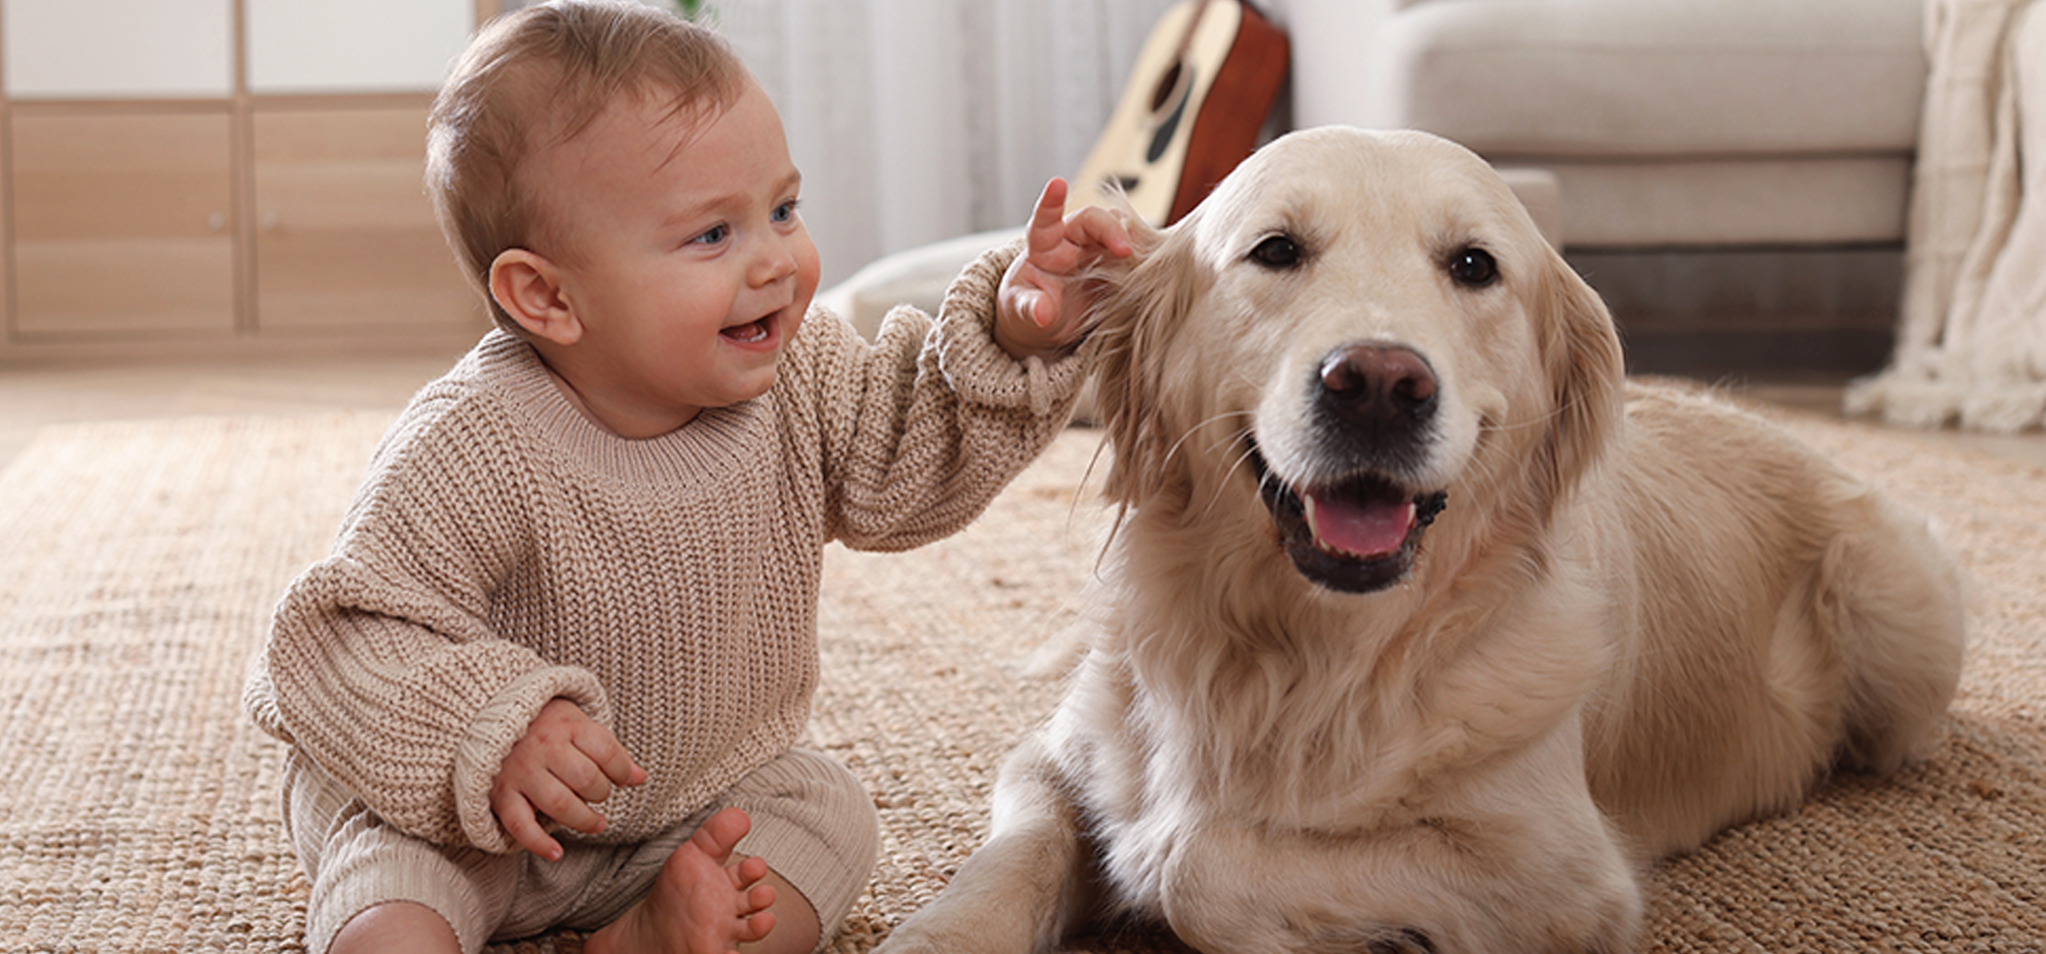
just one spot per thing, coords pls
(1668, 123)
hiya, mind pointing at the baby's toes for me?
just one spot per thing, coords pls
(719, 834)
(748, 871)
(756, 928)
(759, 899)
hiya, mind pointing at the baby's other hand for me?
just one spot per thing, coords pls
(1038, 311)
(565, 763)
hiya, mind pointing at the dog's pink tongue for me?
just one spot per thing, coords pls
(1368, 530)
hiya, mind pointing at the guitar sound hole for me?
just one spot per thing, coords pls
(1166, 84)
(1176, 94)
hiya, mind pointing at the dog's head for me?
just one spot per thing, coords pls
(1355, 330)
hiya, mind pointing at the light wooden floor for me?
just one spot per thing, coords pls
(33, 396)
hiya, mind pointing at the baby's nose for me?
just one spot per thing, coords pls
(775, 262)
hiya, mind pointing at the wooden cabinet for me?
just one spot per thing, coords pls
(345, 236)
(123, 224)
(363, 46)
(223, 171)
(119, 49)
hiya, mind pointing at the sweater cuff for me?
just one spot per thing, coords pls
(975, 364)
(501, 725)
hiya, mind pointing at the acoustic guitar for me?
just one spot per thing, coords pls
(1203, 84)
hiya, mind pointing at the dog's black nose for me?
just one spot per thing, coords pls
(1385, 388)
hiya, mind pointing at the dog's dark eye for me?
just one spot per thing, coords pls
(1473, 268)
(1277, 252)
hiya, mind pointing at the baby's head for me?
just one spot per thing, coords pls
(537, 78)
(622, 190)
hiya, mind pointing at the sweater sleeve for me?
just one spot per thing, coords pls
(382, 664)
(940, 418)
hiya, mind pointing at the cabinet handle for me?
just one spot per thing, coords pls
(217, 221)
(271, 221)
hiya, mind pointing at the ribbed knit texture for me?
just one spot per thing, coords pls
(813, 821)
(504, 551)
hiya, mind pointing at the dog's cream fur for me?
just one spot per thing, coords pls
(1642, 617)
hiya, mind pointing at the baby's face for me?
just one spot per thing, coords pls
(684, 255)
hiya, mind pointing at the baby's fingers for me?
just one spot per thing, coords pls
(611, 758)
(1035, 307)
(1097, 229)
(1047, 220)
(559, 802)
(516, 815)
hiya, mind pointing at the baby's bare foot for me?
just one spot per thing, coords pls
(702, 903)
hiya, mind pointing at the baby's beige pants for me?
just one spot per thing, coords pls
(813, 823)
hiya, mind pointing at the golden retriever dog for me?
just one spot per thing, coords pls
(1421, 629)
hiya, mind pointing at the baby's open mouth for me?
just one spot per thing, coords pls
(752, 332)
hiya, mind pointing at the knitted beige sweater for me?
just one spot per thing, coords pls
(504, 551)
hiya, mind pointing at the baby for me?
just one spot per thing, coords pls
(583, 568)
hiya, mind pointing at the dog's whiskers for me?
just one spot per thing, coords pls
(1544, 420)
(1200, 425)
(1242, 457)
(1122, 512)
(1233, 437)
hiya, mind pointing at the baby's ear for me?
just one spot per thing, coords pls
(528, 287)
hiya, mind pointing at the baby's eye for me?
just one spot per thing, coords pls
(716, 235)
(785, 212)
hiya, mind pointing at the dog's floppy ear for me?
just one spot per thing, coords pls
(1580, 350)
(1139, 306)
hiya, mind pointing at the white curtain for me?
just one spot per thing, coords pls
(920, 120)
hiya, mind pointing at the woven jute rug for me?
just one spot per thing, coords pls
(139, 810)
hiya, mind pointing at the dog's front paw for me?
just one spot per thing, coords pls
(965, 923)
(913, 938)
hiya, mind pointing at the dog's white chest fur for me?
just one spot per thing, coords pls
(1306, 773)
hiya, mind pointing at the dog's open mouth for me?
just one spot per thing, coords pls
(1356, 535)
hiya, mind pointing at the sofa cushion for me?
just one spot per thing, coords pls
(1840, 200)
(1626, 78)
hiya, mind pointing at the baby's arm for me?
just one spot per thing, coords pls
(1037, 313)
(565, 763)
(925, 425)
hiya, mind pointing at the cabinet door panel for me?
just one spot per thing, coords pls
(100, 286)
(119, 49)
(360, 46)
(345, 235)
(122, 224)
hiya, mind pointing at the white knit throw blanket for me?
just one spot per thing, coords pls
(1971, 341)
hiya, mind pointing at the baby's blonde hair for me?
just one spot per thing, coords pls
(536, 78)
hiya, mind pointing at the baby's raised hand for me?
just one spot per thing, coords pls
(1037, 311)
(564, 764)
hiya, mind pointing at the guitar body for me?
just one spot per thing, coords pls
(1203, 84)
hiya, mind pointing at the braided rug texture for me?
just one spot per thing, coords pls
(139, 808)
